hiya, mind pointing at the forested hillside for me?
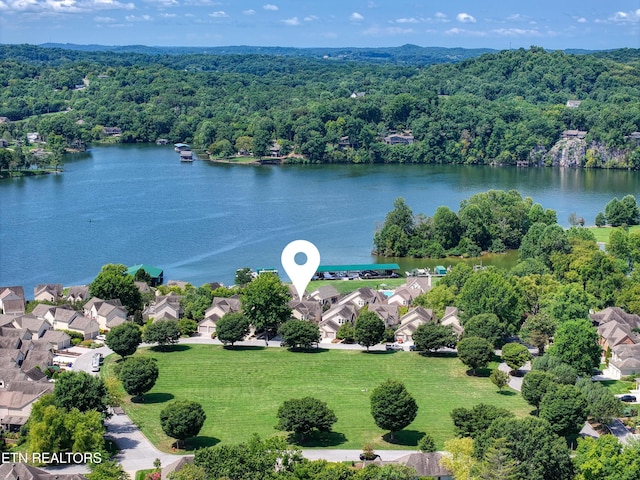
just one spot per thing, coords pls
(501, 108)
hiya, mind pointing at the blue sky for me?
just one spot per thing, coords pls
(552, 24)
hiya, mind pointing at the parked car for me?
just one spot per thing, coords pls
(100, 357)
(101, 338)
(393, 346)
(364, 457)
(628, 398)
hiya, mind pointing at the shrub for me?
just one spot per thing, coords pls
(426, 444)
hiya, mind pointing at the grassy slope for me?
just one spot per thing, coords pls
(602, 233)
(241, 391)
(348, 286)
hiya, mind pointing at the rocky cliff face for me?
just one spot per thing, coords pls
(575, 152)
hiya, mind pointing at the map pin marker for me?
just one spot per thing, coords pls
(300, 275)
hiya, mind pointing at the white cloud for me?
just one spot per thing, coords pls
(168, 15)
(162, 3)
(271, 7)
(465, 18)
(406, 20)
(462, 31)
(516, 32)
(311, 18)
(356, 17)
(251, 11)
(63, 6)
(581, 20)
(292, 22)
(104, 19)
(626, 17)
(219, 14)
(137, 18)
(376, 30)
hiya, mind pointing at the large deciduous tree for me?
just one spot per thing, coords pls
(535, 385)
(369, 329)
(304, 416)
(113, 282)
(475, 352)
(80, 390)
(472, 422)
(138, 375)
(232, 327)
(602, 405)
(576, 343)
(162, 332)
(265, 302)
(299, 334)
(430, 337)
(124, 339)
(487, 326)
(392, 406)
(515, 355)
(182, 419)
(565, 408)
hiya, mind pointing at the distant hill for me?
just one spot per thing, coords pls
(405, 54)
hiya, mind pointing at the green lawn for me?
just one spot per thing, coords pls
(242, 389)
(602, 233)
(348, 286)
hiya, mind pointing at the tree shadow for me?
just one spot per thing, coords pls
(170, 348)
(151, 398)
(408, 438)
(380, 352)
(480, 372)
(195, 443)
(320, 439)
(507, 393)
(427, 353)
(243, 348)
(309, 350)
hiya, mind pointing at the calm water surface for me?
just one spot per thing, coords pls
(201, 221)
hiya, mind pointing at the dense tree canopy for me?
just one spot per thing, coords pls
(299, 334)
(475, 352)
(576, 343)
(80, 390)
(232, 328)
(265, 302)
(113, 282)
(124, 339)
(162, 332)
(304, 416)
(369, 329)
(138, 375)
(392, 406)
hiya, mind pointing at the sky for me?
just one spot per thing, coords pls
(552, 24)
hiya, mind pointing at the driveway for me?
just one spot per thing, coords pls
(515, 382)
(621, 432)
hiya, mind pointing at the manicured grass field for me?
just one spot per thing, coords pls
(602, 233)
(242, 389)
(348, 286)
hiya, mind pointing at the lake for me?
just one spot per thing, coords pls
(199, 222)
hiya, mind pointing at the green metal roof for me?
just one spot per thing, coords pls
(155, 272)
(354, 267)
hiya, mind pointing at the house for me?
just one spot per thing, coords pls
(48, 292)
(573, 103)
(625, 360)
(17, 398)
(327, 295)
(275, 150)
(3, 143)
(56, 339)
(307, 310)
(410, 321)
(109, 316)
(167, 308)
(398, 139)
(4, 120)
(112, 131)
(426, 465)
(37, 326)
(388, 313)
(78, 293)
(451, 317)
(12, 301)
(403, 296)
(363, 296)
(220, 306)
(615, 314)
(33, 137)
(357, 95)
(336, 316)
(421, 284)
(175, 466)
(22, 471)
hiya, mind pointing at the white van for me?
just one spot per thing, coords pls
(95, 364)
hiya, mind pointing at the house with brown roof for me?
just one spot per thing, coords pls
(12, 301)
(327, 295)
(410, 321)
(361, 297)
(47, 292)
(336, 316)
(388, 313)
(403, 296)
(399, 139)
(16, 400)
(451, 318)
(426, 465)
(22, 471)
(37, 326)
(220, 306)
(77, 293)
(625, 360)
(307, 310)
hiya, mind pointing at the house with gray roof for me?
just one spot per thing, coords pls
(625, 360)
(387, 312)
(220, 306)
(307, 310)
(78, 293)
(336, 316)
(426, 465)
(327, 295)
(37, 326)
(47, 292)
(22, 471)
(363, 296)
(410, 321)
(12, 301)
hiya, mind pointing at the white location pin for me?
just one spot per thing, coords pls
(300, 275)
